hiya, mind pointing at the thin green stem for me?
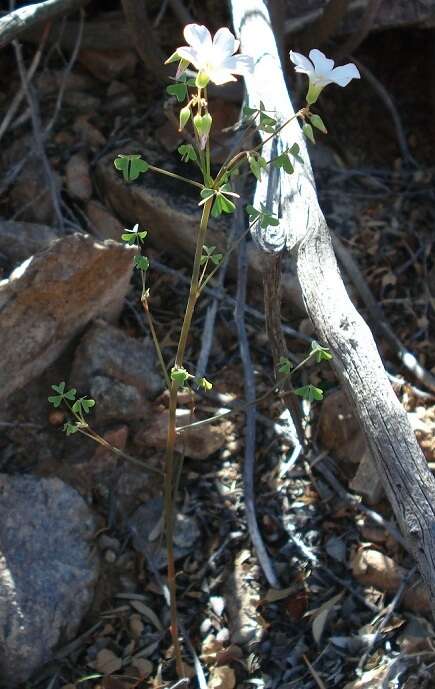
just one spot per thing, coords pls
(238, 158)
(157, 347)
(160, 171)
(242, 406)
(169, 497)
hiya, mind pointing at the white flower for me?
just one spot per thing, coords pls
(214, 60)
(321, 72)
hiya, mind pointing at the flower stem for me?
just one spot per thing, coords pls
(169, 497)
(160, 171)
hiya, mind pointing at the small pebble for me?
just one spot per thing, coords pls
(223, 635)
(205, 626)
(110, 556)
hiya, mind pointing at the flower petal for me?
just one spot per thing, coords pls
(224, 43)
(239, 64)
(302, 63)
(322, 64)
(198, 36)
(219, 75)
(342, 75)
(190, 55)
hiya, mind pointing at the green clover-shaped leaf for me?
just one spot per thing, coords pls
(56, 400)
(285, 366)
(83, 404)
(141, 263)
(257, 164)
(70, 428)
(310, 393)
(283, 161)
(179, 375)
(204, 384)
(318, 123)
(307, 131)
(187, 152)
(179, 90)
(131, 166)
(131, 236)
(320, 353)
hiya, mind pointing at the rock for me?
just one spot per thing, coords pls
(30, 195)
(82, 101)
(19, 240)
(196, 443)
(389, 15)
(372, 568)
(50, 81)
(340, 432)
(50, 297)
(103, 224)
(78, 179)
(169, 211)
(89, 134)
(116, 401)
(108, 351)
(146, 525)
(48, 570)
(367, 481)
(108, 65)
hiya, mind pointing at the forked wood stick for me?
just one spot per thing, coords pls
(402, 467)
(14, 24)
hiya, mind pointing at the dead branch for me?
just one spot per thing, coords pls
(403, 469)
(15, 23)
(141, 32)
(355, 39)
(326, 25)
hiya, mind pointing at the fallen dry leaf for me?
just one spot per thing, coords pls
(107, 662)
(222, 678)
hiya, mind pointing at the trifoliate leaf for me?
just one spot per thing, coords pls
(187, 152)
(310, 393)
(141, 263)
(308, 132)
(205, 384)
(294, 151)
(178, 90)
(130, 236)
(179, 375)
(284, 366)
(248, 112)
(56, 400)
(257, 164)
(70, 428)
(83, 404)
(320, 353)
(131, 166)
(317, 122)
(284, 162)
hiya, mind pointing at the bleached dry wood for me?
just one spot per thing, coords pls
(405, 475)
(15, 23)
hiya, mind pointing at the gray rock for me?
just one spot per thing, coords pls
(146, 525)
(107, 351)
(19, 240)
(48, 570)
(116, 400)
(50, 297)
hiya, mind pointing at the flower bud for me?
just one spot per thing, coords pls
(202, 80)
(184, 117)
(202, 126)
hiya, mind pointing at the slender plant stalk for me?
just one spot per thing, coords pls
(169, 497)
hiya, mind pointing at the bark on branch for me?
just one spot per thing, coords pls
(14, 24)
(407, 480)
